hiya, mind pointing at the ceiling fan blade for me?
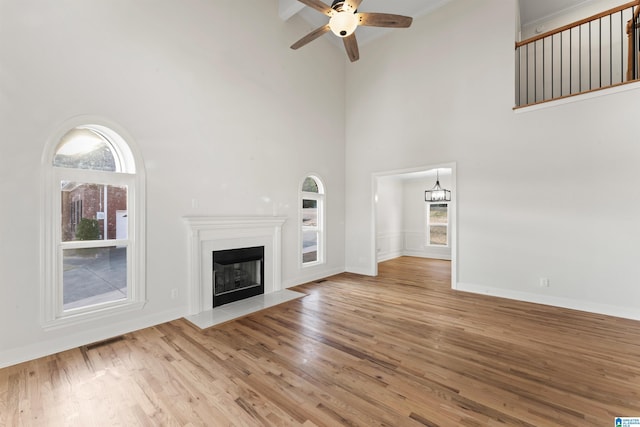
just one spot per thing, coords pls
(310, 37)
(351, 46)
(319, 6)
(384, 20)
(354, 4)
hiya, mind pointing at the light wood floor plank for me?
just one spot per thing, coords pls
(400, 349)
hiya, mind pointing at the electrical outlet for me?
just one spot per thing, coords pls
(544, 282)
(174, 293)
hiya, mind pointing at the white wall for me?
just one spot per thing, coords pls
(442, 91)
(389, 218)
(220, 108)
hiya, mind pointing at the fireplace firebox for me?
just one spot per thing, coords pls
(237, 274)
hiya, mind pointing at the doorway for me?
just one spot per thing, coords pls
(401, 216)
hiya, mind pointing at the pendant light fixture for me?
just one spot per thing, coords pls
(437, 193)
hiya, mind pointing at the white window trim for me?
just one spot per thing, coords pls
(51, 310)
(319, 197)
(427, 211)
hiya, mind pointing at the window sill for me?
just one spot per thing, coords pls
(312, 264)
(96, 314)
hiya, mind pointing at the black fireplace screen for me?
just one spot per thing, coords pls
(237, 274)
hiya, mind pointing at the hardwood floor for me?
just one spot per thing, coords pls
(400, 349)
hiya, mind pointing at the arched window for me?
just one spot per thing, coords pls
(93, 226)
(312, 221)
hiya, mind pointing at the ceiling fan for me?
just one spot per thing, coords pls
(344, 19)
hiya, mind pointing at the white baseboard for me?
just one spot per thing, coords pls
(424, 254)
(590, 307)
(46, 348)
(417, 254)
(360, 271)
(312, 277)
(388, 256)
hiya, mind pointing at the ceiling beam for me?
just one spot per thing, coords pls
(288, 8)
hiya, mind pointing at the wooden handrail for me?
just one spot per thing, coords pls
(580, 22)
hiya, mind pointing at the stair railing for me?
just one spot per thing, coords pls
(594, 53)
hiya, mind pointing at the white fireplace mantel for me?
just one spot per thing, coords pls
(211, 233)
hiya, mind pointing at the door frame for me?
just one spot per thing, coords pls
(453, 224)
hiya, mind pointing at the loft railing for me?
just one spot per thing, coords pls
(633, 34)
(591, 54)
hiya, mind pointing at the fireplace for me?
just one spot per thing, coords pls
(209, 234)
(237, 274)
(232, 235)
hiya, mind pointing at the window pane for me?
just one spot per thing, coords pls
(94, 275)
(438, 214)
(438, 235)
(309, 213)
(93, 211)
(309, 246)
(85, 149)
(310, 185)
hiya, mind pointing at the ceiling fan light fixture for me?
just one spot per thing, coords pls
(343, 21)
(343, 24)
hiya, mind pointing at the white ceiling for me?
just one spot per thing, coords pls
(413, 8)
(530, 11)
(537, 10)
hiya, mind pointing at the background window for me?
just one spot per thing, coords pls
(438, 224)
(312, 221)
